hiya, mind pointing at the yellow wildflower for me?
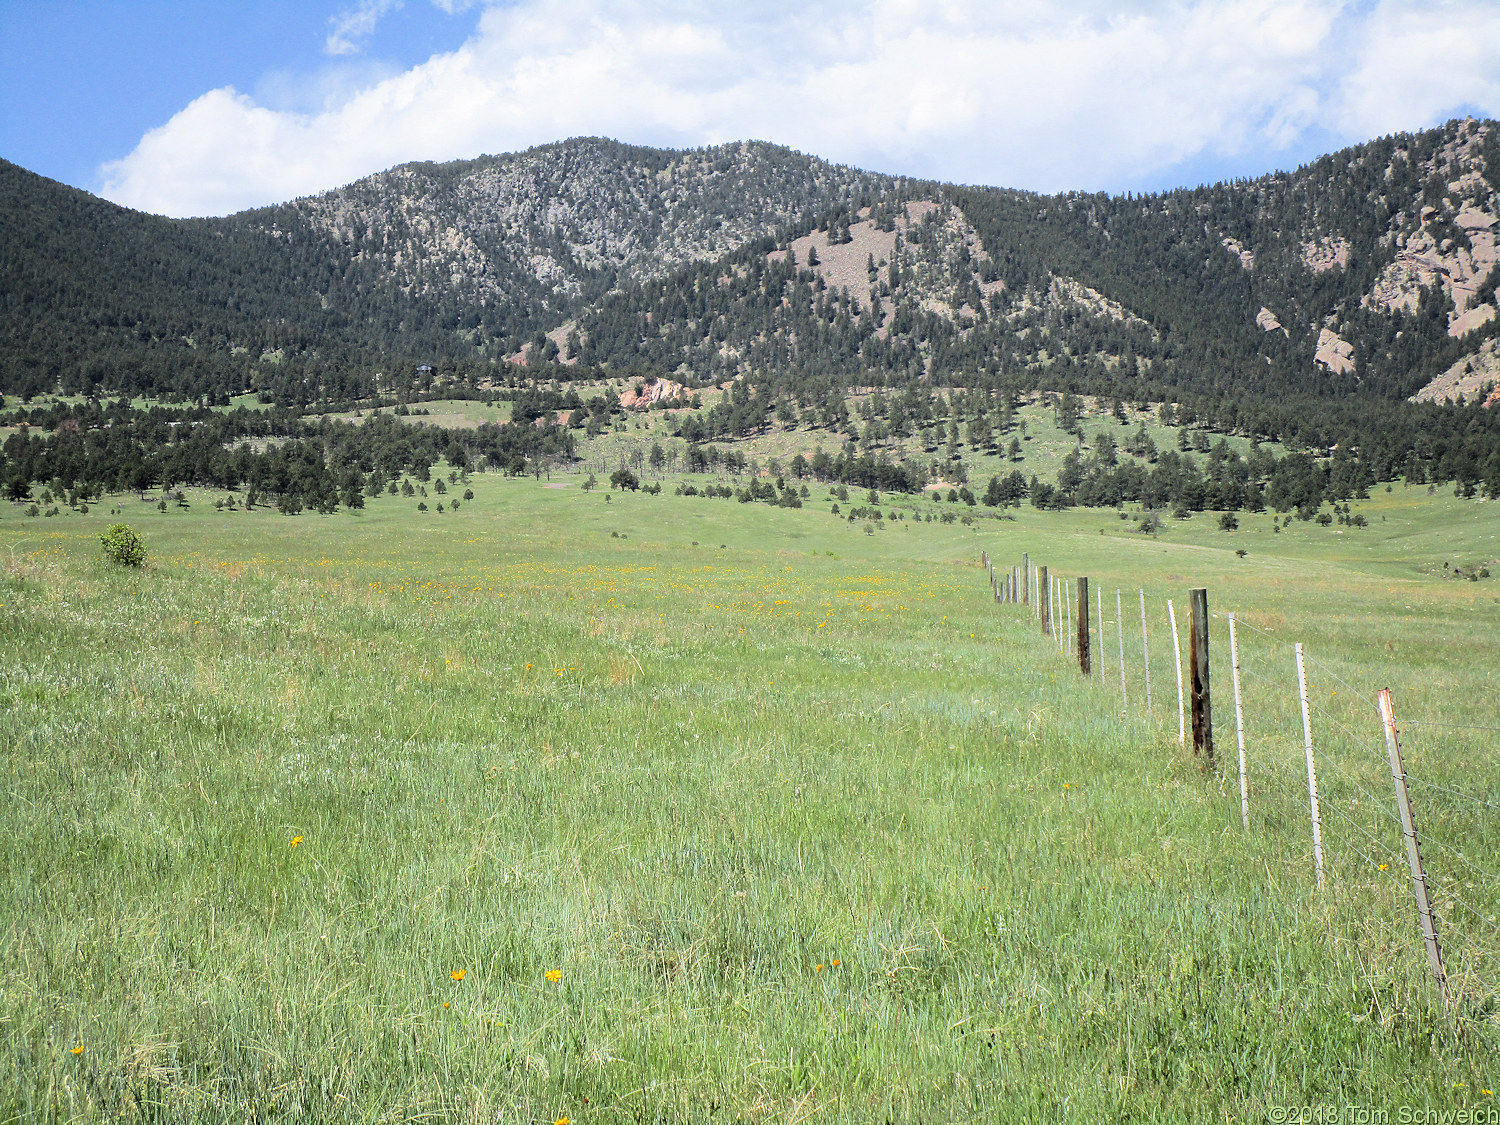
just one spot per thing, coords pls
(554, 975)
(296, 840)
(459, 974)
(78, 1050)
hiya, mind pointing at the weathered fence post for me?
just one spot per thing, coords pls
(1200, 699)
(1120, 637)
(1312, 773)
(1413, 854)
(1083, 626)
(1043, 593)
(1145, 653)
(1014, 584)
(1026, 579)
(1239, 723)
(1177, 658)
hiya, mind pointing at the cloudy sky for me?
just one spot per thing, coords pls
(190, 108)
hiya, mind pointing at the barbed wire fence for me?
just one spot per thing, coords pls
(1388, 805)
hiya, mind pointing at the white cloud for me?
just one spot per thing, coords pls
(348, 28)
(1415, 63)
(1083, 95)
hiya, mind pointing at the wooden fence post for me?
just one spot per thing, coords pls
(1120, 637)
(1413, 853)
(1026, 580)
(1239, 723)
(1014, 585)
(1177, 658)
(1199, 697)
(1043, 592)
(1312, 773)
(1145, 653)
(1083, 626)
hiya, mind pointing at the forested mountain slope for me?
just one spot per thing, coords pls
(96, 296)
(1366, 274)
(1360, 278)
(424, 262)
(497, 247)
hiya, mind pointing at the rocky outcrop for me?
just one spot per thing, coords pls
(1246, 257)
(1334, 352)
(1325, 253)
(1467, 378)
(652, 391)
(1453, 242)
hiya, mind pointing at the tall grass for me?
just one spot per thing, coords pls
(805, 826)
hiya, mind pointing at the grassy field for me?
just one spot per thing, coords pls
(1043, 444)
(632, 808)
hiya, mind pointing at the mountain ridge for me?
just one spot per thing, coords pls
(1367, 274)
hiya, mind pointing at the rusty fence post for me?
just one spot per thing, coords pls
(1425, 917)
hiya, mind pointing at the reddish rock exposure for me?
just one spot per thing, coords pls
(655, 391)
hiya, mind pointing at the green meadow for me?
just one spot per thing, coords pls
(627, 808)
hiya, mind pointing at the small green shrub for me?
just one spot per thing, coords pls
(123, 545)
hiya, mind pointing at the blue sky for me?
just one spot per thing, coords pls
(197, 108)
(82, 81)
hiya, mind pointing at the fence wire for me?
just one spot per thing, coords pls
(1360, 818)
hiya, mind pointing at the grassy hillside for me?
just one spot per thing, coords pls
(648, 808)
